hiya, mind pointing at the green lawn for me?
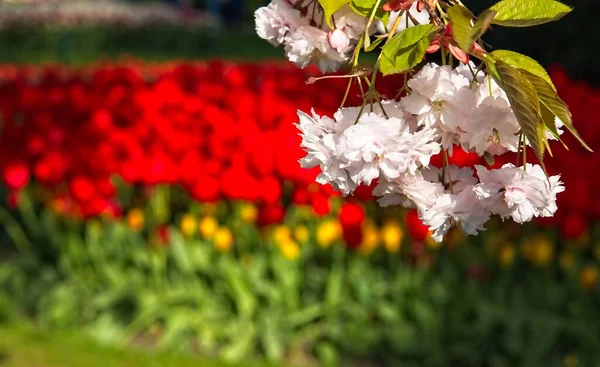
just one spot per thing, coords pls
(22, 346)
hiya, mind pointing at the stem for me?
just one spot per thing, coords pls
(524, 153)
(346, 93)
(439, 8)
(445, 158)
(519, 150)
(433, 14)
(443, 56)
(362, 107)
(474, 73)
(395, 26)
(357, 52)
(368, 25)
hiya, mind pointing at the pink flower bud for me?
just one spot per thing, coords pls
(338, 40)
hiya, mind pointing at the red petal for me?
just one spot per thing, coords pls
(459, 54)
(420, 6)
(394, 5)
(434, 46)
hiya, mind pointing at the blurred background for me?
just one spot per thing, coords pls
(154, 214)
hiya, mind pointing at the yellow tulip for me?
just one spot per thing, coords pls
(589, 277)
(135, 219)
(506, 254)
(302, 234)
(539, 250)
(328, 232)
(188, 225)
(391, 236)
(223, 239)
(289, 249)
(207, 227)
(571, 360)
(281, 234)
(370, 239)
(248, 213)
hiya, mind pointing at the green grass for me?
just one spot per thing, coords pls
(23, 346)
(83, 45)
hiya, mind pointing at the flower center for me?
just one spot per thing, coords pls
(437, 106)
(494, 138)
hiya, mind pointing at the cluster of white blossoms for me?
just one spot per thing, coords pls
(299, 25)
(393, 143)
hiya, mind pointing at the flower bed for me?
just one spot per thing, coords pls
(221, 131)
(164, 205)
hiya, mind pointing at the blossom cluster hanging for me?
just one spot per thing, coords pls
(505, 102)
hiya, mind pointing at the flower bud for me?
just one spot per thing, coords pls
(338, 40)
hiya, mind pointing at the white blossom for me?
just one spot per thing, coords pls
(276, 21)
(310, 44)
(517, 193)
(379, 146)
(463, 209)
(410, 191)
(441, 98)
(493, 128)
(422, 17)
(319, 140)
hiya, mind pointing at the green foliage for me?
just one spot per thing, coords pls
(525, 104)
(91, 44)
(23, 346)
(331, 6)
(520, 13)
(406, 49)
(522, 62)
(550, 101)
(121, 287)
(464, 33)
(365, 7)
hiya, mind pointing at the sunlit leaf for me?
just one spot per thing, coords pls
(464, 33)
(557, 106)
(523, 62)
(406, 49)
(331, 6)
(525, 13)
(525, 104)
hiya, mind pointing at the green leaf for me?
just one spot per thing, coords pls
(525, 104)
(523, 62)
(365, 7)
(406, 49)
(464, 33)
(376, 43)
(460, 18)
(330, 7)
(484, 21)
(550, 100)
(548, 118)
(525, 13)
(489, 159)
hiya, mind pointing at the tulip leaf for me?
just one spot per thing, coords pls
(550, 100)
(406, 49)
(523, 62)
(330, 7)
(464, 33)
(525, 103)
(526, 13)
